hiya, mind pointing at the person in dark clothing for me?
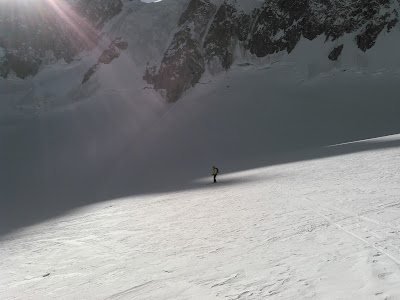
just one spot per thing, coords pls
(215, 173)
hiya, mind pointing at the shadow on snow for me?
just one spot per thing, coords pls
(42, 177)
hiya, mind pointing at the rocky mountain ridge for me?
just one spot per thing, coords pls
(274, 26)
(206, 38)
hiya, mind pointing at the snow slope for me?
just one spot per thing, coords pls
(290, 219)
(321, 229)
(106, 148)
(107, 195)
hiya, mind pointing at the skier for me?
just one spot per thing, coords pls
(215, 173)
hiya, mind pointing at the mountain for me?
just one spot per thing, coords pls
(210, 35)
(172, 52)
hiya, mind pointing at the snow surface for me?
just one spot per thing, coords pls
(321, 229)
(107, 196)
(146, 222)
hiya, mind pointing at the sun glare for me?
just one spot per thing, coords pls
(34, 11)
(25, 2)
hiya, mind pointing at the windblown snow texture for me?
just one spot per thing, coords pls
(320, 229)
(104, 185)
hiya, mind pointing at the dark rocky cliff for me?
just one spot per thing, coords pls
(206, 38)
(275, 26)
(183, 62)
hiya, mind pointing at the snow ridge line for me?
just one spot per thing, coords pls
(349, 232)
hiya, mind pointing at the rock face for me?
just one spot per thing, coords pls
(49, 31)
(274, 26)
(227, 27)
(282, 23)
(334, 55)
(108, 55)
(208, 36)
(183, 62)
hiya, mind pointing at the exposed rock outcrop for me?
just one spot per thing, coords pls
(275, 26)
(282, 23)
(334, 55)
(209, 35)
(183, 62)
(108, 55)
(23, 67)
(220, 40)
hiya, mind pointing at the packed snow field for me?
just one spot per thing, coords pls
(322, 223)
(315, 229)
(138, 223)
(105, 194)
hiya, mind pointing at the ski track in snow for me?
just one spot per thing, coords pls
(319, 229)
